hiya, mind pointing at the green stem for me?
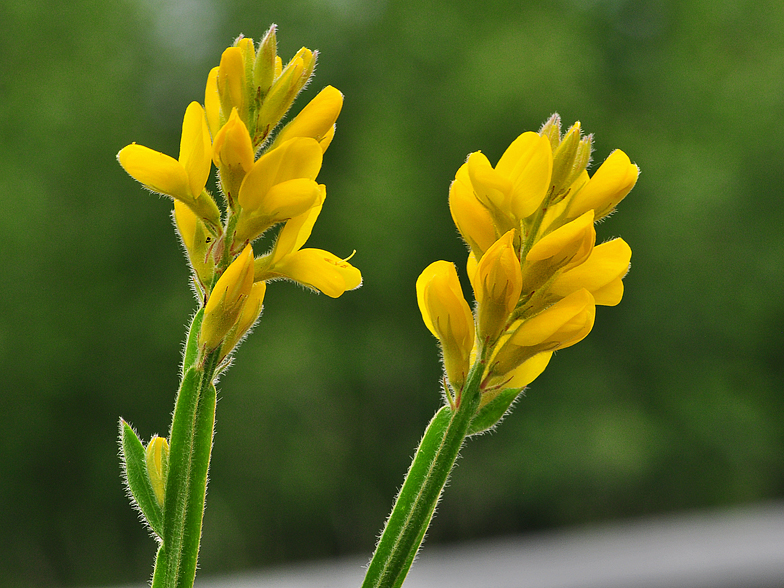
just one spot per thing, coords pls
(426, 478)
(190, 444)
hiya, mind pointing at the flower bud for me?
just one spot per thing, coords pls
(157, 457)
(569, 160)
(250, 313)
(232, 153)
(285, 89)
(227, 299)
(264, 67)
(552, 130)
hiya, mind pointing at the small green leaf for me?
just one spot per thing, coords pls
(136, 478)
(491, 413)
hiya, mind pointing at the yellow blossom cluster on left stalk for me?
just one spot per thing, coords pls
(266, 176)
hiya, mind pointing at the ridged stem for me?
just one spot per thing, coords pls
(434, 459)
(190, 443)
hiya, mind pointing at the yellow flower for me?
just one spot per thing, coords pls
(564, 248)
(316, 120)
(563, 324)
(227, 299)
(279, 186)
(609, 185)
(447, 315)
(313, 268)
(182, 179)
(497, 284)
(533, 264)
(601, 274)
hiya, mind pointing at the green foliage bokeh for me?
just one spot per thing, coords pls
(673, 402)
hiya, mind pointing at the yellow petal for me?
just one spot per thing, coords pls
(326, 140)
(226, 299)
(231, 81)
(297, 230)
(321, 270)
(195, 148)
(447, 315)
(600, 274)
(186, 223)
(291, 198)
(316, 120)
(212, 102)
(565, 243)
(563, 324)
(498, 281)
(527, 164)
(233, 146)
(157, 171)
(471, 217)
(529, 370)
(609, 185)
(251, 310)
(490, 187)
(297, 158)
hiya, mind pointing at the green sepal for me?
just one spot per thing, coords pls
(137, 480)
(491, 413)
(191, 352)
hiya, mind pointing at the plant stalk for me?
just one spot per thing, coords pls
(415, 504)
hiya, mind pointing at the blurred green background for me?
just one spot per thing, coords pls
(674, 401)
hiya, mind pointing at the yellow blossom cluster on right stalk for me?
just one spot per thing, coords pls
(535, 269)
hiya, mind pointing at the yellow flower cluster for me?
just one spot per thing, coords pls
(266, 179)
(536, 272)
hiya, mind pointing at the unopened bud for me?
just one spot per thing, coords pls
(157, 457)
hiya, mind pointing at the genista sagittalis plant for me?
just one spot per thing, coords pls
(536, 272)
(266, 178)
(537, 277)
